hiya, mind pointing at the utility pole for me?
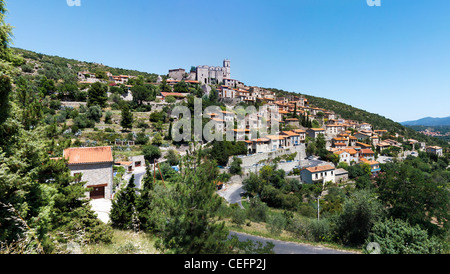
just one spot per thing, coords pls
(318, 208)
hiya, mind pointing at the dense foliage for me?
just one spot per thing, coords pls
(42, 207)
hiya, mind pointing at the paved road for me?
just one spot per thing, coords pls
(289, 247)
(139, 173)
(232, 193)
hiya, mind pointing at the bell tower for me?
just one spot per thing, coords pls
(227, 68)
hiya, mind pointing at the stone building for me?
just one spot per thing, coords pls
(321, 174)
(213, 75)
(95, 165)
(206, 75)
(177, 74)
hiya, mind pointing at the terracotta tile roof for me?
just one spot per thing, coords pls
(275, 137)
(320, 168)
(217, 120)
(339, 139)
(351, 151)
(317, 129)
(340, 144)
(261, 140)
(88, 155)
(372, 163)
(174, 94)
(226, 112)
(289, 133)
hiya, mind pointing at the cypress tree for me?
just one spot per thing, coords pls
(127, 117)
(123, 207)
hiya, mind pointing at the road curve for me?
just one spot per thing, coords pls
(282, 247)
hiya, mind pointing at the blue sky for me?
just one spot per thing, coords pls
(393, 60)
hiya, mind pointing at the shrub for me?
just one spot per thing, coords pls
(151, 153)
(257, 210)
(319, 230)
(238, 215)
(276, 223)
(359, 213)
(235, 167)
(396, 236)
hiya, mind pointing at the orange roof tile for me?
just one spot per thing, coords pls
(86, 155)
(290, 133)
(275, 137)
(340, 144)
(320, 168)
(351, 151)
(174, 94)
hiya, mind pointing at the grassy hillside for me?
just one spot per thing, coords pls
(57, 68)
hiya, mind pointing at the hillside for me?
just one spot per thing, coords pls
(377, 121)
(429, 121)
(59, 68)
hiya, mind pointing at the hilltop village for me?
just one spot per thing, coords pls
(310, 142)
(96, 159)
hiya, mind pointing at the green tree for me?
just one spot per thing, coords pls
(8, 60)
(108, 117)
(170, 99)
(359, 213)
(127, 117)
(151, 153)
(141, 94)
(94, 113)
(396, 236)
(141, 138)
(124, 207)
(213, 96)
(412, 195)
(181, 87)
(235, 167)
(191, 227)
(172, 157)
(5, 91)
(163, 86)
(157, 139)
(97, 95)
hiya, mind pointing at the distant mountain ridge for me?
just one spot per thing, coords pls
(429, 121)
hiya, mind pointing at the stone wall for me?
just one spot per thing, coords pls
(255, 158)
(95, 174)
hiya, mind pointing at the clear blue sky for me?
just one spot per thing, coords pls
(393, 60)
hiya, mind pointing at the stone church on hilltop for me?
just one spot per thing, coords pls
(206, 75)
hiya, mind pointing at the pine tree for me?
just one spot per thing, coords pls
(97, 95)
(39, 200)
(123, 206)
(191, 227)
(127, 117)
(169, 135)
(145, 202)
